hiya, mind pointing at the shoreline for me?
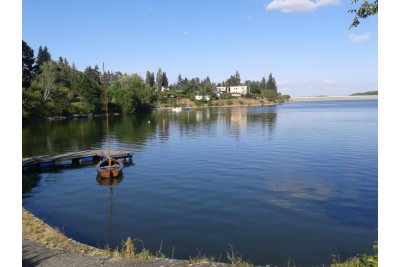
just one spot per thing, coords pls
(332, 98)
(242, 102)
(44, 245)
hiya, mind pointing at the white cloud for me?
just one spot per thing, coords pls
(299, 6)
(356, 39)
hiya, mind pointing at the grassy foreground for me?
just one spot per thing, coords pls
(36, 230)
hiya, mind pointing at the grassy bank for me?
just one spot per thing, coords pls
(36, 230)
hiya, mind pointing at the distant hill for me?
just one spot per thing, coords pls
(366, 93)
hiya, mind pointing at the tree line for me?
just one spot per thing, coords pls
(56, 88)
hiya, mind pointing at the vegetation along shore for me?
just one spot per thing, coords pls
(55, 88)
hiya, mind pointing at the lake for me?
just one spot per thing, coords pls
(296, 181)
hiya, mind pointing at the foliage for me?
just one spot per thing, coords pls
(234, 80)
(28, 60)
(365, 10)
(87, 94)
(150, 78)
(359, 261)
(42, 56)
(255, 88)
(131, 94)
(271, 84)
(32, 104)
(55, 88)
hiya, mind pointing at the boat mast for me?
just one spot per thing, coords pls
(106, 101)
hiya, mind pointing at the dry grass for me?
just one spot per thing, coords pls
(36, 230)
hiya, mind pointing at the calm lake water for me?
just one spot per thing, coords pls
(296, 181)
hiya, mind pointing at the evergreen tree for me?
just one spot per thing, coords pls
(231, 81)
(42, 56)
(263, 83)
(28, 60)
(179, 81)
(237, 78)
(65, 73)
(150, 78)
(271, 84)
(164, 79)
(159, 78)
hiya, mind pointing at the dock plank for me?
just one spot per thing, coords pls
(75, 155)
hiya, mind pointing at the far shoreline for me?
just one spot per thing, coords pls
(332, 98)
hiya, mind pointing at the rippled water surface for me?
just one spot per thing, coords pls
(294, 181)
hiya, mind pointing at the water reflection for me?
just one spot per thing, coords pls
(291, 181)
(29, 181)
(110, 183)
(74, 135)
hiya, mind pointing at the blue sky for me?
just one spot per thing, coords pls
(306, 45)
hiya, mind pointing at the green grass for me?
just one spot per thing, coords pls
(358, 261)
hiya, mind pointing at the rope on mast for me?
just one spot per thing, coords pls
(106, 100)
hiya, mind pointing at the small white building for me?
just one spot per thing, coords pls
(221, 89)
(164, 88)
(200, 97)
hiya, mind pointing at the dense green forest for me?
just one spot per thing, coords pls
(52, 88)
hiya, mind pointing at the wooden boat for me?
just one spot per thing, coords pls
(109, 167)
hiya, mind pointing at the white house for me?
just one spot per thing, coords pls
(235, 90)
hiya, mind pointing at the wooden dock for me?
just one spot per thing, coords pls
(72, 159)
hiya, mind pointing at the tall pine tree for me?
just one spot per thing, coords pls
(150, 78)
(28, 60)
(42, 56)
(271, 84)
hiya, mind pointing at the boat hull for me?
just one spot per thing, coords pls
(107, 170)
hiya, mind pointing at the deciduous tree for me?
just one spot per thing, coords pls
(365, 10)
